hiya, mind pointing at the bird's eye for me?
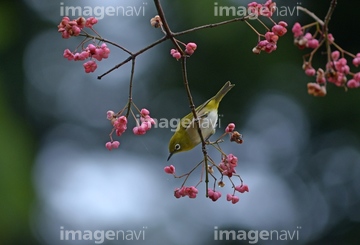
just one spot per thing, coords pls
(177, 147)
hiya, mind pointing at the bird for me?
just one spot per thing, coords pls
(186, 135)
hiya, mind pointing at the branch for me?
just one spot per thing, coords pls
(311, 14)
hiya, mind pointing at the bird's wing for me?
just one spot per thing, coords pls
(188, 120)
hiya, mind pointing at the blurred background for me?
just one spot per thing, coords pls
(300, 156)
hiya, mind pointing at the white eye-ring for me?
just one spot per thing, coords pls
(177, 147)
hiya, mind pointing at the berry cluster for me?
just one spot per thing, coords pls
(337, 69)
(69, 28)
(271, 37)
(225, 168)
(175, 53)
(228, 165)
(119, 123)
(189, 50)
(190, 191)
(146, 122)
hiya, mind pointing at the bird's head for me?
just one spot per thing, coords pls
(179, 142)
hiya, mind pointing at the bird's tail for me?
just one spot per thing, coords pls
(226, 88)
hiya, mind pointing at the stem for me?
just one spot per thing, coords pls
(326, 30)
(253, 29)
(329, 13)
(106, 41)
(169, 34)
(210, 26)
(187, 174)
(130, 86)
(115, 67)
(314, 51)
(196, 120)
(263, 24)
(166, 37)
(311, 14)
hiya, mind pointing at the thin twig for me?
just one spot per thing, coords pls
(326, 30)
(209, 26)
(196, 119)
(166, 26)
(311, 14)
(130, 86)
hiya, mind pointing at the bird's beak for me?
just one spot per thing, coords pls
(171, 153)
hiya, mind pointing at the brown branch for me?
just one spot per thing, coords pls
(166, 27)
(311, 14)
(196, 119)
(130, 86)
(209, 26)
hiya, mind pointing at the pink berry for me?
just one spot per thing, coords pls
(235, 199)
(190, 48)
(230, 127)
(115, 144)
(352, 83)
(242, 188)
(279, 30)
(177, 193)
(139, 130)
(213, 195)
(310, 71)
(335, 55)
(271, 37)
(229, 197)
(297, 30)
(90, 66)
(169, 169)
(68, 54)
(313, 43)
(108, 145)
(144, 112)
(91, 21)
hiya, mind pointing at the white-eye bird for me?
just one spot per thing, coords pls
(186, 135)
